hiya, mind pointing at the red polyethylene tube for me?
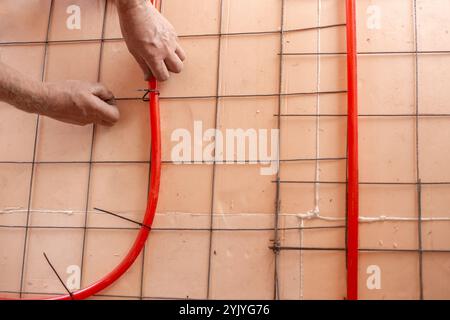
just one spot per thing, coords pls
(155, 174)
(141, 238)
(352, 163)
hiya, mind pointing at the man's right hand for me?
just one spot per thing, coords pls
(150, 38)
(79, 103)
(75, 102)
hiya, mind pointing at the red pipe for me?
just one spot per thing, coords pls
(141, 238)
(352, 193)
(352, 163)
(155, 173)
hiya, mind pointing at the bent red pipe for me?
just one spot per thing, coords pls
(141, 238)
(155, 175)
(138, 245)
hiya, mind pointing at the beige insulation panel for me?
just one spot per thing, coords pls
(215, 223)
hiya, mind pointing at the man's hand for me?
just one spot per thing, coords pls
(74, 102)
(79, 103)
(150, 38)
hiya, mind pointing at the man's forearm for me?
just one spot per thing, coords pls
(129, 4)
(21, 91)
(127, 9)
(70, 101)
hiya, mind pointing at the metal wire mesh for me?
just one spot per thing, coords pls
(277, 246)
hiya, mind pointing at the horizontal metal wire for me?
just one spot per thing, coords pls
(166, 162)
(367, 53)
(412, 183)
(252, 95)
(365, 115)
(363, 250)
(96, 295)
(199, 35)
(207, 229)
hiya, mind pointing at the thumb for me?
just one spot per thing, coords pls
(103, 93)
(106, 111)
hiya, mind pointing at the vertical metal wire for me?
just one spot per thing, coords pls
(417, 137)
(318, 87)
(216, 124)
(141, 281)
(276, 286)
(33, 164)
(91, 152)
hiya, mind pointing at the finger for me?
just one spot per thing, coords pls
(103, 93)
(144, 67)
(97, 119)
(105, 112)
(159, 70)
(173, 63)
(104, 123)
(71, 121)
(180, 53)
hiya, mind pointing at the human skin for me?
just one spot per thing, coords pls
(75, 102)
(150, 38)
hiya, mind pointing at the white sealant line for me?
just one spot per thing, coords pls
(316, 211)
(318, 87)
(310, 215)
